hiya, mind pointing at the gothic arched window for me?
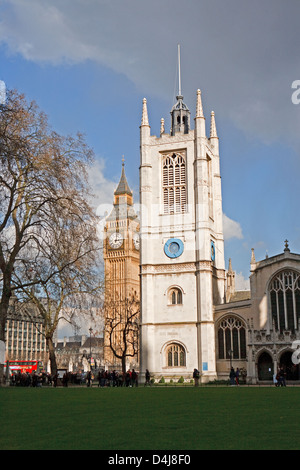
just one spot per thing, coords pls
(232, 338)
(175, 355)
(174, 184)
(284, 290)
(174, 296)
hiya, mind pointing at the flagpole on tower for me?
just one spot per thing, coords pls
(179, 72)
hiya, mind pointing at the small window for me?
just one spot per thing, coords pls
(175, 296)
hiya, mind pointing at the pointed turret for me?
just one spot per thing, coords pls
(123, 194)
(162, 126)
(199, 107)
(199, 117)
(253, 261)
(230, 282)
(145, 120)
(213, 129)
(123, 186)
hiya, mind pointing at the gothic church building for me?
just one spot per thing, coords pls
(172, 258)
(191, 314)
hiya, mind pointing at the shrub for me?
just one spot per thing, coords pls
(181, 380)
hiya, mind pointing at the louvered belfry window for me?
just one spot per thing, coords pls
(174, 183)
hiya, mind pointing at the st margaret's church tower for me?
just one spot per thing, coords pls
(182, 245)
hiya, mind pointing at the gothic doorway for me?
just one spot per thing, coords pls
(265, 367)
(291, 370)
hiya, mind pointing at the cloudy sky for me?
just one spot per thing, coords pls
(89, 63)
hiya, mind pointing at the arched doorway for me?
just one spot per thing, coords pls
(265, 367)
(291, 370)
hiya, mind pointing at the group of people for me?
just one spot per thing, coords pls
(27, 379)
(234, 376)
(279, 378)
(116, 379)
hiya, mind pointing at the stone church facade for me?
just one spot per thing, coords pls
(258, 330)
(172, 258)
(191, 314)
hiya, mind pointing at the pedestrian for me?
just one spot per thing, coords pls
(134, 378)
(196, 375)
(34, 379)
(282, 381)
(88, 378)
(128, 379)
(232, 376)
(55, 379)
(65, 380)
(147, 378)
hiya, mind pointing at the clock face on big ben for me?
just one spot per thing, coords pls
(115, 240)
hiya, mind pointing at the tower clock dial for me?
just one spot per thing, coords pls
(136, 241)
(173, 248)
(115, 240)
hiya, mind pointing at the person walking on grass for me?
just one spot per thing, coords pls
(196, 375)
(147, 378)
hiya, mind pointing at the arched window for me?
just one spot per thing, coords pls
(174, 184)
(174, 296)
(175, 355)
(232, 339)
(284, 290)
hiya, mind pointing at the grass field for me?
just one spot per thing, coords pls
(150, 418)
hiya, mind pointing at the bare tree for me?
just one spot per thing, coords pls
(43, 195)
(122, 328)
(69, 282)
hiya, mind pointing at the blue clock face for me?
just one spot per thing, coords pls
(173, 248)
(212, 251)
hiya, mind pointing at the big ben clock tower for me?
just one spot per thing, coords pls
(121, 266)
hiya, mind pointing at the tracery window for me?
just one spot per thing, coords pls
(174, 184)
(232, 339)
(174, 296)
(175, 355)
(284, 293)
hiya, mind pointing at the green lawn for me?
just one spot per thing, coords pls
(141, 418)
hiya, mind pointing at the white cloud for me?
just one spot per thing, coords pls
(102, 188)
(245, 76)
(231, 228)
(241, 283)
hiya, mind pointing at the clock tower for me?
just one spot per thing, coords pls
(121, 253)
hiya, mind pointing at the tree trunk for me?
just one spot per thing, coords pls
(52, 357)
(4, 304)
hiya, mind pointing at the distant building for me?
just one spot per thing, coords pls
(122, 284)
(77, 353)
(24, 333)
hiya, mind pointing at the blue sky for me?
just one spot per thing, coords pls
(89, 63)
